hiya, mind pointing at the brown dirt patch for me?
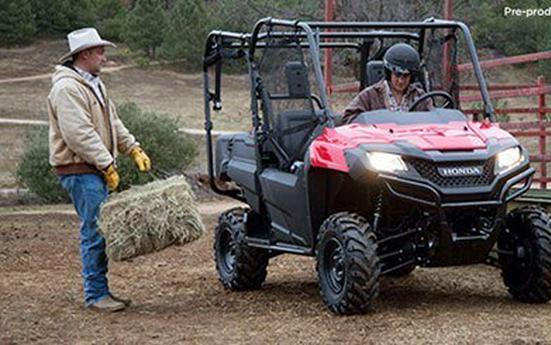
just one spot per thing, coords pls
(41, 57)
(180, 96)
(25, 100)
(33, 59)
(177, 299)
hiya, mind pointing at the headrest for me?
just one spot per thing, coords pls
(297, 79)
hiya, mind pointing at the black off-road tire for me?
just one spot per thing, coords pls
(528, 277)
(347, 264)
(240, 267)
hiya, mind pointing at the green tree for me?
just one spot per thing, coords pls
(512, 35)
(17, 25)
(145, 26)
(82, 13)
(110, 19)
(235, 15)
(545, 66)
(63, 16)
(185, 34)
(51, 15)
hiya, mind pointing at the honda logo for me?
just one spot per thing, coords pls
(460, 171)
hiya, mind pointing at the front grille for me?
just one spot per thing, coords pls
(429, 170)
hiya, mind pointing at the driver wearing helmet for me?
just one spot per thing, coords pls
(395, 92)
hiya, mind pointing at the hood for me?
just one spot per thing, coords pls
(328, 150)
(452, 136)
(62, 72)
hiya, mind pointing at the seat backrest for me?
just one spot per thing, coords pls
(293, 126)
(295, 120)
(375, 71)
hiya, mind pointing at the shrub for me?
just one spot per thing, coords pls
(34, 170)
(171, 152)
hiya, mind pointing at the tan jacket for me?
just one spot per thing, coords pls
(374, 98)
(84, 135)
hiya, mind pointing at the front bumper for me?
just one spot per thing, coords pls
(498, 193)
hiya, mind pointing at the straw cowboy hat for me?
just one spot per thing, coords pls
(83, 39)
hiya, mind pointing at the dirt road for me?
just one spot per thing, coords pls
(49, 75)
(177, 299)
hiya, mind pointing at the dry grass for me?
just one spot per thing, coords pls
(149, 218)
(11, 148)
(180, 96)
(34, 59)
(25, 100)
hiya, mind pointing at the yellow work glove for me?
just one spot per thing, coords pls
(111, 177)
(141, 159)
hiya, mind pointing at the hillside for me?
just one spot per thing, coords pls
(165, 89)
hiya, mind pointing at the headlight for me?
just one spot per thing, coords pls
(508, 159)
(386, 162)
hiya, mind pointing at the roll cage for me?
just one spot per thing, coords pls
(312, 36)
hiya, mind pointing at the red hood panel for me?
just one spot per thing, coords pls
(444, 137)
(328, 149)
(456, 136)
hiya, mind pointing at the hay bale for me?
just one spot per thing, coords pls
(148, 218)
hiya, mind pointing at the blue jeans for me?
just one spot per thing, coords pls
(88, 192)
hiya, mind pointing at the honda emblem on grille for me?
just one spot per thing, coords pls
(460, 171)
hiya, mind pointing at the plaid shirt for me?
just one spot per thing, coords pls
(407, 100)
(93, 81)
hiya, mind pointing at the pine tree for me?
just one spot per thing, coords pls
(51, 15)
(145, 26)
(111, 19)
(82, 13)
(186, 31)
(17, 25)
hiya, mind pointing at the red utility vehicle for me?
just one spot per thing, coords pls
(380, 196)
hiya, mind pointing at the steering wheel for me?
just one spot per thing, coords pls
(448, 103)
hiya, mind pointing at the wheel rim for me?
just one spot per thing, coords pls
(333, 266)
(227, 251)
(525, 263)
(521, 265)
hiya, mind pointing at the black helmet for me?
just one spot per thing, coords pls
(401, 58)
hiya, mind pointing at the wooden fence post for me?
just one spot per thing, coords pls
(328, 54)
(541, 119)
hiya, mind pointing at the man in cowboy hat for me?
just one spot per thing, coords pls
(85, 136)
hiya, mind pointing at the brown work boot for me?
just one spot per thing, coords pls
(127, 302)
(107, 304)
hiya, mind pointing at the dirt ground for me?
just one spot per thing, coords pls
(178, 299)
